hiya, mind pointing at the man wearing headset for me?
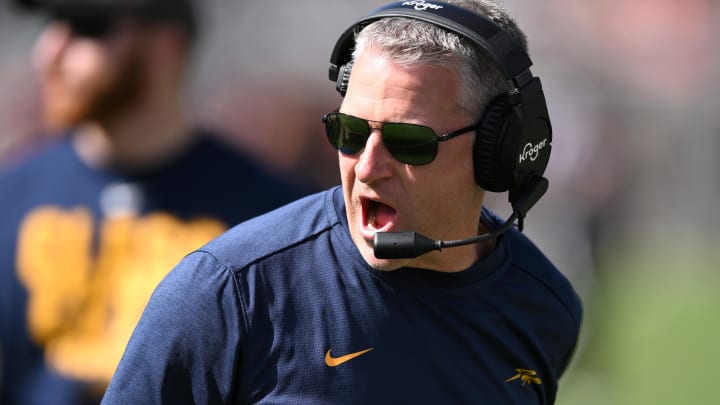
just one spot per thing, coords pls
(91, 223)
(335, 306)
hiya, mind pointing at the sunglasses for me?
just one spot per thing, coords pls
(411, 144)
(88, 25)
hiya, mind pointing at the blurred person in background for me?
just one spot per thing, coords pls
(91, 222)
(323, 312)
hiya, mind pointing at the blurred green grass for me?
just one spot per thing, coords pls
(651, 332)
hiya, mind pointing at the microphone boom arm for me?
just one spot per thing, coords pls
(408, 245)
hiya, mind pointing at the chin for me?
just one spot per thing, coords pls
(365, 247)
(382, 264)
(385, 266)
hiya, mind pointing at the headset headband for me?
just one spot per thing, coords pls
(510, 57)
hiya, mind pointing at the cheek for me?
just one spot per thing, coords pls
(451, 175)
(347, 168)
(455, 161)
(87, 66)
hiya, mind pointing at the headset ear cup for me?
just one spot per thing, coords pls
(490, 135)
(343, 78)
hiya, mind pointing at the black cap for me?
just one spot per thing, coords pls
(181, 11)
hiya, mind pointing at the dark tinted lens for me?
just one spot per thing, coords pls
(352, 134)
(410, 143)
(331, 128)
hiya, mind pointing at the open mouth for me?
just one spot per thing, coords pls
(377, 215)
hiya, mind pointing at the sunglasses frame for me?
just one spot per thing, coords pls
(337, 116)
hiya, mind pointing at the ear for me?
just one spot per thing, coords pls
(168, 42)
(167, 52)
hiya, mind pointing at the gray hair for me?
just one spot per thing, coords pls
(408, 41)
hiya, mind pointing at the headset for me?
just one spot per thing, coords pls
(514, 135)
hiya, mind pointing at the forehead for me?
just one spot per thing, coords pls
(383, 90)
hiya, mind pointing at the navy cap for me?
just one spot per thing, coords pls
(181, 11)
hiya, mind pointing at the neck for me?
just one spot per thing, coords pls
(484, 248)
(458, 258)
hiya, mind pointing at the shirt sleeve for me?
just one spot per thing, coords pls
(186, 346)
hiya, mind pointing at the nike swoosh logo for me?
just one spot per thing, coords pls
(336, 361)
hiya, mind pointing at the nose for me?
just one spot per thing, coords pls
(50, 45)
(375, 161)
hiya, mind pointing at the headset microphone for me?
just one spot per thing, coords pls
(409, 245)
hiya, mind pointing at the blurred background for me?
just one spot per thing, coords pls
(630, 218)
